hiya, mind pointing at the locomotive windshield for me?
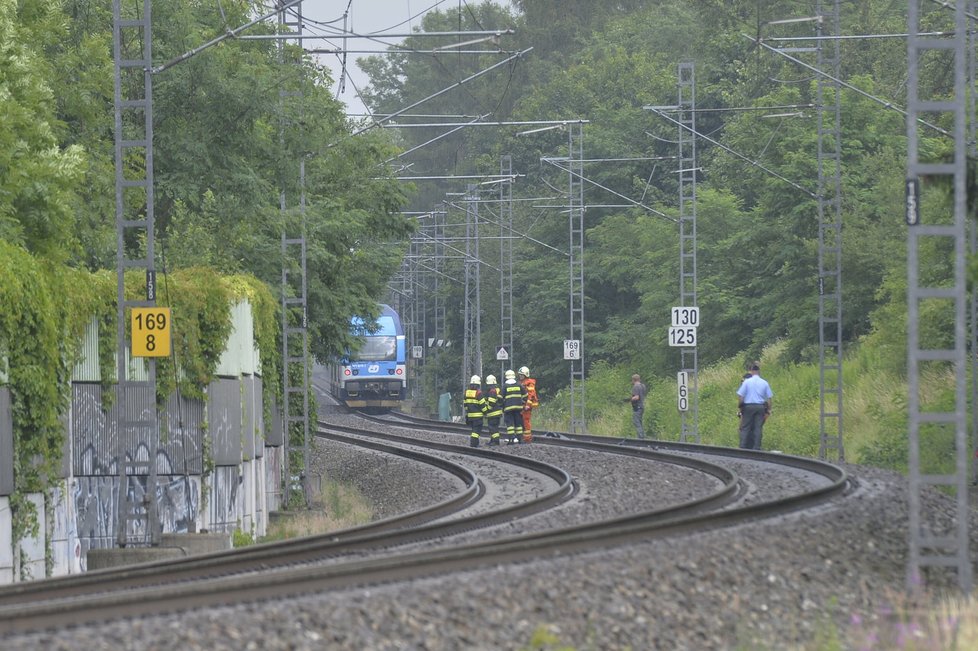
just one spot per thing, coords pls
(380, 346)
(377, 349)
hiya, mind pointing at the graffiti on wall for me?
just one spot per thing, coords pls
(96, 502)
(225, 495)
(95, 438)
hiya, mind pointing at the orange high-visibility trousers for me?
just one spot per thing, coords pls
(527, 431)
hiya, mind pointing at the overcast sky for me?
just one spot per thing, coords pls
(366, 16)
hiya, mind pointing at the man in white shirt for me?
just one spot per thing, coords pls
(754, 403)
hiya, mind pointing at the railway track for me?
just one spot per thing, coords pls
(350, 558)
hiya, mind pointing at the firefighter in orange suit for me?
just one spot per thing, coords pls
(531, 401)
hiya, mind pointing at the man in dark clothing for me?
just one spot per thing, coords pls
(514, 398)
(475, 409)
(638, 404)
(494, 408)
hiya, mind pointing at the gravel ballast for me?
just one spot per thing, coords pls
(784, 583)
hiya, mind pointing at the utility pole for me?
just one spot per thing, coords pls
(295, 334)
(137, 425)
(575, 218)
(935, 543)
(829, 236)
(689, 372)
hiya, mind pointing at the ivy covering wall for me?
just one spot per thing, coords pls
(46, 309)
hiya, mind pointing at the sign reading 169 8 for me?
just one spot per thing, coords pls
(150, 331)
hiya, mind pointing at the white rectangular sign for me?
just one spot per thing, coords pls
(572, 349)
(685, 317)
(685, 337)
(417, 352)
(682, 379)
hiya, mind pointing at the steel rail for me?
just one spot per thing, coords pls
(399, 530)
(299, 580)
(832, 473)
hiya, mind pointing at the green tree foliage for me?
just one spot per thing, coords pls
(38, 173)
(234, 124)
(231, 125)
(757, 214)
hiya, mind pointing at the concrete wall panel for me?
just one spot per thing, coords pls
(6, 444)
(224, 421)
(63, 538)
(6, 543)
(225, 499)
(31, 546)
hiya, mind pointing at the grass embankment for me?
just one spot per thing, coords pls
(336, 506)
(874, 433)
(874, 422)
(874, 417)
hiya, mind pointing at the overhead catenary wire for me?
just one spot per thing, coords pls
(733, 152)
(637, 204)
(885, 103)
(437, 94)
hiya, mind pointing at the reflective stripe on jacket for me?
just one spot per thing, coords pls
(531, 393)
(474, 403)
(494, 403)
(514, 395)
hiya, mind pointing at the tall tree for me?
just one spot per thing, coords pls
(38, 176)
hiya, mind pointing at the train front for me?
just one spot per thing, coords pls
(374, 377)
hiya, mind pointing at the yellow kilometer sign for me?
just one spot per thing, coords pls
(150, 331)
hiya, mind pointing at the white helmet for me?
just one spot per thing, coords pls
(510, 375)
(475, 380)
(490, 379)
(524, 371)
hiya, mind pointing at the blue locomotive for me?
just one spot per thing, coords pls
(373, 378)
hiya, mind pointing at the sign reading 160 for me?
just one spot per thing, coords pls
(150, 331)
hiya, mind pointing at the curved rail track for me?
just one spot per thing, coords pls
(349, 558)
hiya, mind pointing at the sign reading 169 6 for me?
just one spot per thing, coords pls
(150, 331)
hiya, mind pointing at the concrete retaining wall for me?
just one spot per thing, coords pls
(83, 509)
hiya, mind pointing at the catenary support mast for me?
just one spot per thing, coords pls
(687, 239)
(295, 335)
(575, 196)
(137, 425)
(829, 235)
(940, 350)
(472, 348)
(506, 260)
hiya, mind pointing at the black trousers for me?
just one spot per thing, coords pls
(752, 426)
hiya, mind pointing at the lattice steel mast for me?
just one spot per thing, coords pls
(687, 238)
(506, 261)
(137, 427)
(472, 345)
(295, 335)
(829, 236)
(941, 349)
(575, 196)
